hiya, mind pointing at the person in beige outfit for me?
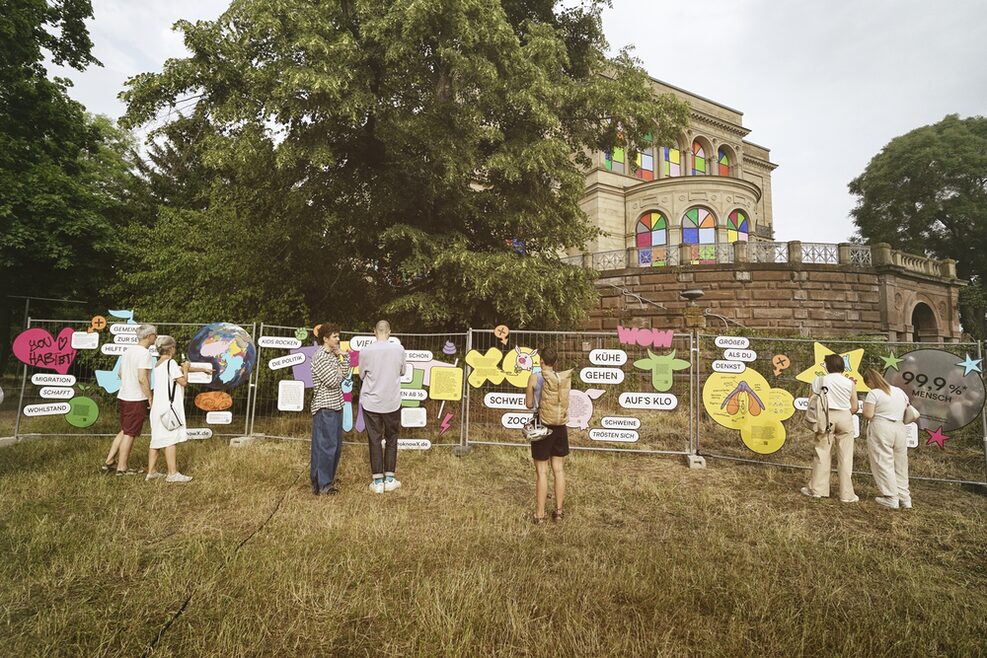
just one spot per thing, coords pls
(842, 398)
(885, 407)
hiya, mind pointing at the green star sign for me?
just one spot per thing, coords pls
(891, 361)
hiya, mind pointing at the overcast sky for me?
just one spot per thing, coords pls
(824, 84)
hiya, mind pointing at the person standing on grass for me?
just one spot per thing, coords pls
(381, 365)
(328, 375)
(548, 392)
(841, 393)
(885, 407)
(133, 400)
(170, 381)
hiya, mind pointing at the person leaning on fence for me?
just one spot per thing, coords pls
(548, 393)
(381, 365)
(884, 408)
(133, 400)
(170, 381)
(842, 398)
(328, 375)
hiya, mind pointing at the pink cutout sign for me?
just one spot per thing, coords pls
(36, 347)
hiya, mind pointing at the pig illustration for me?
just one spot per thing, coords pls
(581, 407)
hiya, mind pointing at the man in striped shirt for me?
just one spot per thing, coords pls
(328, 374)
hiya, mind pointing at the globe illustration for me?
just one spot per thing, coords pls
(229, 349)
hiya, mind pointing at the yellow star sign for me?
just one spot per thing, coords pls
(851, 362)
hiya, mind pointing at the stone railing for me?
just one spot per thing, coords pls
(795, 252)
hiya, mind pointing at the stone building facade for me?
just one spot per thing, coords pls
(697, 214)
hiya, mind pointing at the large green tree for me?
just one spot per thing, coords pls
(64, 176)
(926, 192)
(418, 159)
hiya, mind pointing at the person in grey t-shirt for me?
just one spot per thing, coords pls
(381, 365)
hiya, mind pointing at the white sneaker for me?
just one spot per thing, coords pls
(905, 504)
(391, 485)
(377, 487)
(806, 492)
(157, 475)
(887, 502)
(855, 499)
(178, 477)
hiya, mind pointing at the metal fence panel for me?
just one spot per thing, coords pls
(94, 379)
(614, 405)
(778, 363)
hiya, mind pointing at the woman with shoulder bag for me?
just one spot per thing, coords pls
(841, 394)
(548, 393)
(168, 410)
(885, 407)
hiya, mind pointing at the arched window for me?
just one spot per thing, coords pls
(651, 238)
(672, 158)
(698, 159)
(614, 160)
(699, 230)
(644, 163)
(738, 226)
(724, 162)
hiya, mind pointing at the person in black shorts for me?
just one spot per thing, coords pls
(549, 392)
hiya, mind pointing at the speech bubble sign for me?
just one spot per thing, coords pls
(199, 433)
(601, 357)
(57, 392)
(735, 342)
(44, 379)
(515, 420)
(620, 422)
(641, 400)
(47, 409)
(121, 328)
(729, 366)
(504, 401)
(126, 339)
(740, 355)
(112, 349)
(417, 356)
(38, 348)
(279, 342)
(286, 361)
(618, 436)
(601, 375)
(414, 444)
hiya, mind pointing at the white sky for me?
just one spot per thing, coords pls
(824, 84)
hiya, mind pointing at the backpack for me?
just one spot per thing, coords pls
(553, 408)
(817, 414)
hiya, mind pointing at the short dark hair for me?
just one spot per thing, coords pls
(548, 356)
(326, 329)
(834, 363)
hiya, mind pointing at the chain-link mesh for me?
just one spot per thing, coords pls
(432, 406)
(613, 405)
(784, 363)
(94, 378)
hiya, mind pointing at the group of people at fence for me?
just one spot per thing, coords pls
(547, 393)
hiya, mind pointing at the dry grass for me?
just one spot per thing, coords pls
(654, 559)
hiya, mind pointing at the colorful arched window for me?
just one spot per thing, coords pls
(651, 238)
(644, 163)
(724, 162)
(698, 159)
(672, 158)
(738, 226)
(614, 160)
(699, 230)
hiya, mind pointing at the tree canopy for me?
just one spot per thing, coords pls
(419, 159)
(926, 192)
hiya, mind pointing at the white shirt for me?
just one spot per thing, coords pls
(134, 359)
(840, 390)
(890, 407)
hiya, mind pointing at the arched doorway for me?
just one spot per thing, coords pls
(924, 327)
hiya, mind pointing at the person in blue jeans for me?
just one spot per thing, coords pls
(328, 374)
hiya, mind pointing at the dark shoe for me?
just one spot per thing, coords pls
(131, 471)
(106, 469)
(538, 519)
(329, 491)
(558, 515)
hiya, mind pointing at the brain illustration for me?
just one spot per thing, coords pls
(581, 407)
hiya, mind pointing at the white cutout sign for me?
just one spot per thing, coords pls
(621, 436)
(291, 395)
(414, 416)
(658, 401)
(601, 375)
(737, 342)
(729, 366)
(57, 393)
(48, 409)
(608, 357)
(83, 340)
(44, 379)
(286, 361)
(516, 420)
(279, 342)
(219, 417)
(740, 355)
(620, 422)
(504, 400)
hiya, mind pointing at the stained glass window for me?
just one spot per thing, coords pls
(699, 230)
(614, 160)
(651, 238)
(673, 161)
(738, 226)
(645, 165)
(698, 159)
(724, 160)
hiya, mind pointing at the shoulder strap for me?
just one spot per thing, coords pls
(172, 384)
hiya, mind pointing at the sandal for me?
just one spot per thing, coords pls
(106, 469)
(538, 519)
(131, 471)
(558, 515)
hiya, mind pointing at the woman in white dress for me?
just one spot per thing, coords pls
(170, 380)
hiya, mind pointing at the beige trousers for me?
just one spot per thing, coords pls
(888, 451)
(842, 435)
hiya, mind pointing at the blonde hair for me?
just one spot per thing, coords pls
(874, 379)
(165, 344)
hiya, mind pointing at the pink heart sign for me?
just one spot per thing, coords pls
(36, 347)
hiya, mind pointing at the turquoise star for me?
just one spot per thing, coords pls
(970, 365)
(891, 361)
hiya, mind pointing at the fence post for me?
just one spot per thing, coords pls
(20, 402)
(254, 381)
(983, 412)
(464, 431)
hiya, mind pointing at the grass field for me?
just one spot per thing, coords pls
(653, 559)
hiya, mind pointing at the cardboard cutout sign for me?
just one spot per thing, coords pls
(944, 391)
(38, 348)
(851, 362)
(746, 402)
